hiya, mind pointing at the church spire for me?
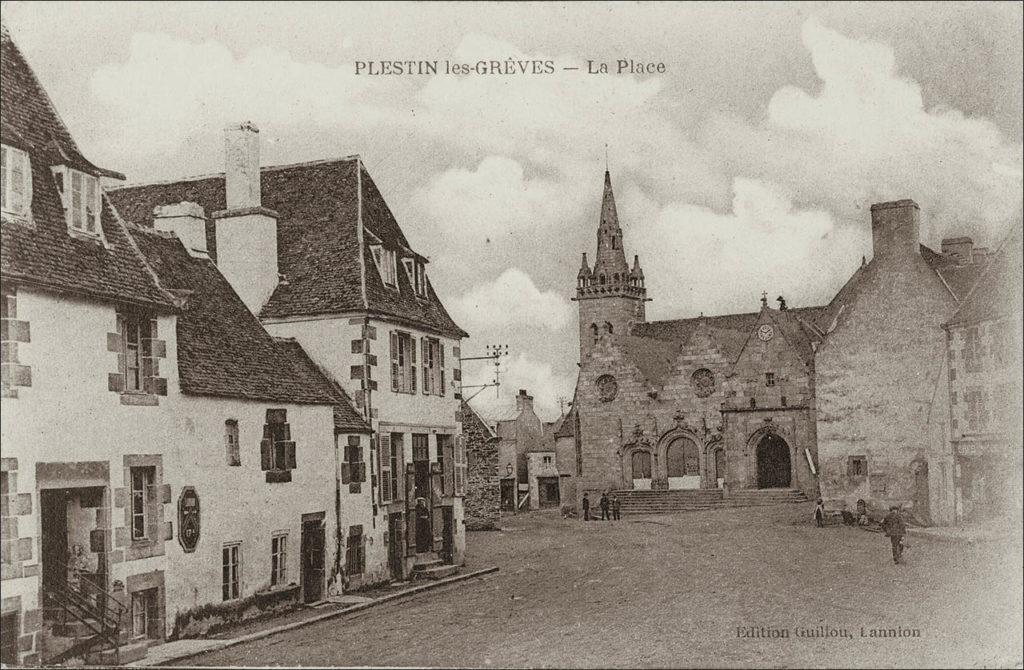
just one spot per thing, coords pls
(611, 259)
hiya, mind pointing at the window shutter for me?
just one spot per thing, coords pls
(266, 462)
(438, 528)
(448, 453)
(410, 485)
(411, 364)
(394, 361)
(289, 451)
(384, 461)
(440, 355)
(361, 470)
(425, 343)
(346, 473)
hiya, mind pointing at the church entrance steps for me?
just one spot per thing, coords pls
(669, 501)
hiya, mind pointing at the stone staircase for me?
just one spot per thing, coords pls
(429, 566)
(670, 501)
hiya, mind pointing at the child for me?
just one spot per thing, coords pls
(819, 514)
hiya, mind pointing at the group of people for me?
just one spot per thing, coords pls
(893, 525)
(610, 507)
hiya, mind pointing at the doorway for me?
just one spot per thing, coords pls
(53, 504)
(683, 464)
(508, 495)
(641, 464)
(547, 492)
(773, 464)
(313, 559)
(448, 535)
(719, 465)
(395, 562)
(423, 504)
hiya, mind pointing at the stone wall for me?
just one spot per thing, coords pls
(483, 488)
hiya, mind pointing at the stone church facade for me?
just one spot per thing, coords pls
(734, 402)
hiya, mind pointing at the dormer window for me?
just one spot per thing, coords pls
(387, 265)
(417, 275)
(16, 185)
(82, 198)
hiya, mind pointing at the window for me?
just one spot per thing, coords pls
(417, 275)
(231, 564)
(277, 450)
(972, 350)
(977, 411)
(355, 552)
(753, 403)
(133, 330)
(16, 182)
(82, 197)
(387, 265)
(353, 469)
(433, 366)
(142, 483)
(460, 465)
(769, 379)
(231, 442)
(547, 460)
(279, 559)
(594, 332)
(608, 328)
(403, 362)
(857, 466)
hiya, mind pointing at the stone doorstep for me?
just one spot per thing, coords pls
(439, 571)
(179, 650)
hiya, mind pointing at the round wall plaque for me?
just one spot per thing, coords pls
(607, 387)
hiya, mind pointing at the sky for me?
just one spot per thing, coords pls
(749, 164)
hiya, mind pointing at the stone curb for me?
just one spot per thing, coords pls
(259, 635)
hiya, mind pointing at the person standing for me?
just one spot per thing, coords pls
(586, 507)
(616, 506)
(604, 507)
(819, 514)
(895, 528)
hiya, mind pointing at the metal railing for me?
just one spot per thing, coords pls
(95, 608)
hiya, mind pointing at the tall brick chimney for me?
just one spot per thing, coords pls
(246, 230)
(523, 401)
(895, 229)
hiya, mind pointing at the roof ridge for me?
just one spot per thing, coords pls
(215, 175)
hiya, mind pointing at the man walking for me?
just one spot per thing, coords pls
(616, 506)
(895, 528)
(586, 507)
(604, 507)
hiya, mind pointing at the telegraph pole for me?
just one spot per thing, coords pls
(494, 353)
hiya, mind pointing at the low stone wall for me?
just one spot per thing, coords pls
(213, 617)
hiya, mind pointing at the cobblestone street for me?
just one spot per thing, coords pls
(678, 591)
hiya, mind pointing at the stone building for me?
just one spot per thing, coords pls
(529, 481)
(314, 250)
(483, 485)
(837, 398)
(983, 343)
(144, 410)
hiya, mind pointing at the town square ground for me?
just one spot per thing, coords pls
(722, 588)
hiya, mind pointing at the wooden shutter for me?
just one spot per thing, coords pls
(440, 359)
(410, 486)
(346, 473)
(438, 527)
(410, 505)
(425, 343)
(411, 364)
(289, 455)
(384, 460)
(359, 475)
(265, 456)
(394, 361)
(448, 454)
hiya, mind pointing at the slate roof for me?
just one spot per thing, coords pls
(41, 251)
(346, 418)
(321, 206)
(223, 350)
(469, 415)
(999, 291)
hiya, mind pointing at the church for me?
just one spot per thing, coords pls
(788, 400)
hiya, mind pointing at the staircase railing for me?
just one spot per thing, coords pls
(96, 609)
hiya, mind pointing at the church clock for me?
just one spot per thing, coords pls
(765, 332)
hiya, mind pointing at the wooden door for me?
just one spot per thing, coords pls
(313, 560)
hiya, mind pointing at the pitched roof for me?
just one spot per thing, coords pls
(998, 292)
(567, 427)
(321, 206)
(223, 349)
(728, 331)
(346, 418)
(469, 415)
(41, 251)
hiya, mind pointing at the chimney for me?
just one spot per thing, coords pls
(187, 220)
(895, 229)
(246, 230)
(959, 249)
(524, 402)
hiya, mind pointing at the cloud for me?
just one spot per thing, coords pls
(702, 260)
(520, 372)
(512, 301)
(867, 136)
(169, 89)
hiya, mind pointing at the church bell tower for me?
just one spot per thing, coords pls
(611, 297)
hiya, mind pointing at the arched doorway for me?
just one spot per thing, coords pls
(641, 464)
(773, 466)
(718, 465)
(682, 459)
